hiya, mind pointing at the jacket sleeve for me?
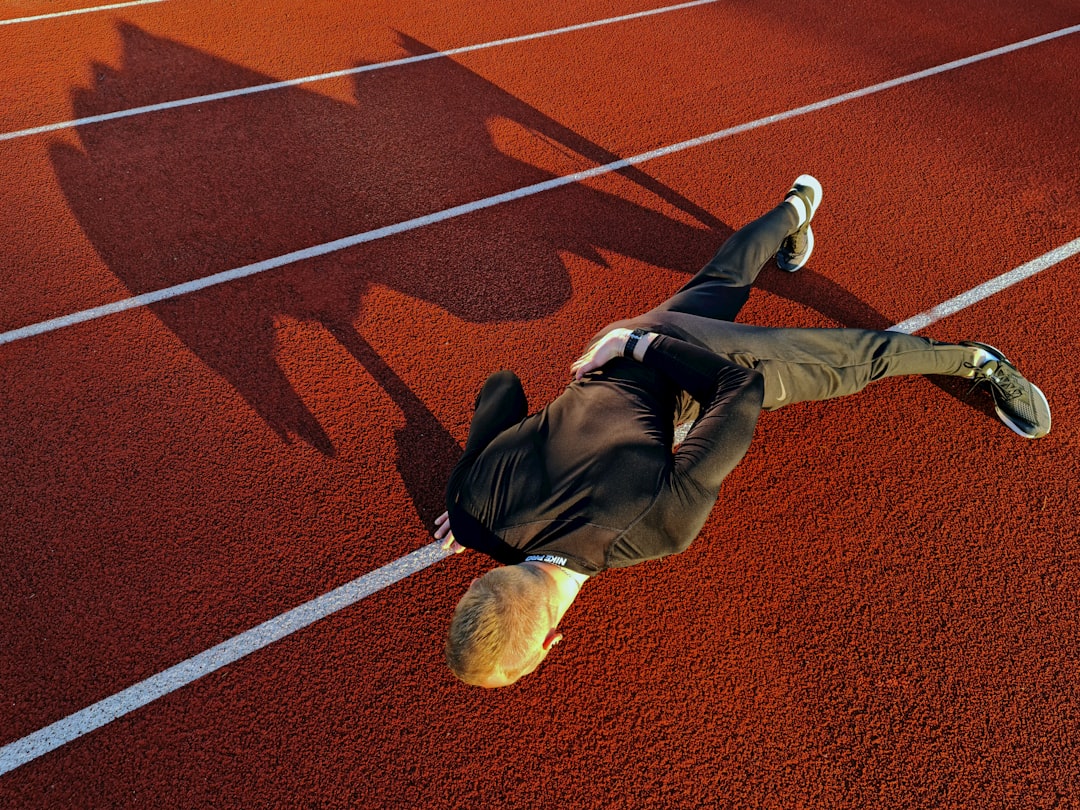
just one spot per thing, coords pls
(730, 397)
(500, 404)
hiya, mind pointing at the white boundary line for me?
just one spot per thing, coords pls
(225, 276)
(111, 708)
(99, 714)
(986, 289)
(93, 717)
(337, 74)
(55, 14)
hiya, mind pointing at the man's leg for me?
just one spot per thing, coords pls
(817, 364)
(720, 289)
(800, 365)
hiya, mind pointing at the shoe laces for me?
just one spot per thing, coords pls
(796, 242)
(999, 377)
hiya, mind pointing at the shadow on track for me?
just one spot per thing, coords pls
(181, 194)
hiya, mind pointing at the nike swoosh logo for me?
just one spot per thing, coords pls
(783, 391)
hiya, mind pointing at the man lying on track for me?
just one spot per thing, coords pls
(594, 480)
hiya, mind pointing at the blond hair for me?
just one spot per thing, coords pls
(499, 624)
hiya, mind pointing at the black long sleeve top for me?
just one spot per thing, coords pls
(592, 481)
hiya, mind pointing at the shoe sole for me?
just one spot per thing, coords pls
(1019, 431)
(812, 182)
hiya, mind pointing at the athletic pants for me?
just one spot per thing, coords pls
(798, 364)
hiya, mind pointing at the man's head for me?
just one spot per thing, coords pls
(504, 625)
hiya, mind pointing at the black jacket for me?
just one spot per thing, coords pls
(592, 481)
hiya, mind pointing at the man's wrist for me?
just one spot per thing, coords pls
(643, 345)
(631, 342)
(638, 343)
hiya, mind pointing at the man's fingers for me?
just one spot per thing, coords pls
(584, 364)
(450, 544)
(442, 527)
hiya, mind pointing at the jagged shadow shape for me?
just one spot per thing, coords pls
(184, 193)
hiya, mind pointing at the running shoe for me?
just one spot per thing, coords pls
(1019, 403)
(795, 250)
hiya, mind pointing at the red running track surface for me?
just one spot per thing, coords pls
(881, 612)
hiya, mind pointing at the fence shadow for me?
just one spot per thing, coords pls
(181, 194)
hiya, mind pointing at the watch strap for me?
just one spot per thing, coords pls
(632, 342)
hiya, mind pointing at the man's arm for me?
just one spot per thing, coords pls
(500, 404)
(730, 396)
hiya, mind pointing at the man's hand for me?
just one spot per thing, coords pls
(445, 534)
(603, 351)
(607, 348)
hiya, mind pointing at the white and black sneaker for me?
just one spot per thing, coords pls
(1018, 402)
(795, 251)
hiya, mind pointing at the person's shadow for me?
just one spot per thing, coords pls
(182, 194)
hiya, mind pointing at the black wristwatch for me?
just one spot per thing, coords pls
(632, 341)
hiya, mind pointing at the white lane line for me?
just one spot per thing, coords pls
(99, 714)
(337, 74)
(991, 287)
(103, 712)
(111, 708)
(225, 276)
(55, 14)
